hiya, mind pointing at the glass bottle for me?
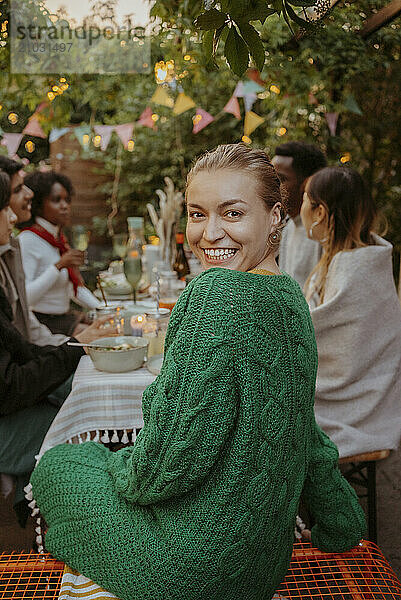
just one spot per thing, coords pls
(133, 266)
(180, 265)
(136, 239)
(169, 289)
(154, 330)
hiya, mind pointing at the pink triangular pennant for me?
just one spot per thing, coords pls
(146, 118)
(332, 119)
(124, 132)
(239, 90)
(201, 120)
(232, 107)
(105, 132)
(11, 141)
(33, 128)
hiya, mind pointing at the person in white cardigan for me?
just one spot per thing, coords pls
(51, 267)
(356, 315)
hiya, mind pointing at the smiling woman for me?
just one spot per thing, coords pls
(235, 209)
(204, 504)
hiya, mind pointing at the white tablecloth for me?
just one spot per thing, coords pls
(103, 403)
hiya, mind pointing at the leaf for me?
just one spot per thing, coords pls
(304, 3)
(236, 52)
(254, 43)
(258, 10)
(292, 14)
(216, 37)
(211, 19)
(352, 105)
(207, 44)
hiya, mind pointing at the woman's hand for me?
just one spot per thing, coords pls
(96, 331)
(71, 259)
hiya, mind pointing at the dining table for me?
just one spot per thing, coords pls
(103, 407)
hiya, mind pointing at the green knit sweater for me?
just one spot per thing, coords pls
(203, 506)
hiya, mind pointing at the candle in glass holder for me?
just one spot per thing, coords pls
(137, 323)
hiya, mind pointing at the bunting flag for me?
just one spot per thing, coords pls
(82, 133)
(33, 128)
(232, 107)
(239, 90)
(182, 104)
(56, 133)
(161, 97)
(249, 100)
(254, 74)
(146, 118)
(201, 120)
(124, 132)
(11, 141)
(105, 132)
(332, 119)
(251, 122)
(251, 87)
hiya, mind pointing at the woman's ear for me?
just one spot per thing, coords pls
(276, 214)
(321, 213)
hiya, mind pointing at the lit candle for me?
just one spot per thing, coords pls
(137, 325)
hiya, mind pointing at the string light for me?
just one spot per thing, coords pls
(345, 157)
(164, 71)
(275, 89)
(155, 117)
(62, 80)
(246, 139)
(310, 61)
(13, 118)
(187, 57)
(85, 139)
(130, 145)
(51, 96)
(196, 119)
(97, 140)
(29, 146)
(281, 131)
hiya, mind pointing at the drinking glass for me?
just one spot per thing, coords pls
(120, 244)
(133, 272)
(80, 239)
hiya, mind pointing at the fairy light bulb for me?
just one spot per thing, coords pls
(275, 89)
(13, 118)
(130, 145)
(29, 146)
(97, 140)
(246, 139)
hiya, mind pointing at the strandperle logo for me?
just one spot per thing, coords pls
(42, 42)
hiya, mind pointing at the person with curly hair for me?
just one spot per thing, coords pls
(51, 266)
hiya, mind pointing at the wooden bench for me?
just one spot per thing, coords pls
(362, 472)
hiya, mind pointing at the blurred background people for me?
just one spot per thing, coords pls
(51, 266)
(356, 315)
(29, 375)
(12, 276)
(294, 163)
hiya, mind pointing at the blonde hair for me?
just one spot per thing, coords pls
(352, 218)
(253, 161)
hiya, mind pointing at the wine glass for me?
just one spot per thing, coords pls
(120, 244)
(80, 239)
(133, 272)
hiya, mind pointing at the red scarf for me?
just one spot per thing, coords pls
(62, 245)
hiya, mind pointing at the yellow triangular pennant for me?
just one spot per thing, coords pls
(252, 120)
(183, 103)
(161, 97)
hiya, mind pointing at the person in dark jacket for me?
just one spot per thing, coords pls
(28, 376)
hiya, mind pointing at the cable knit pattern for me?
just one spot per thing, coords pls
(203, 506)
